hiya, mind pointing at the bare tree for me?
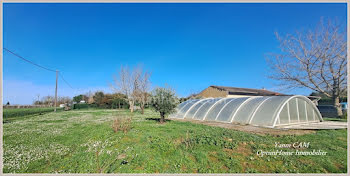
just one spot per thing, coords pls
(315, 59)
(48, 100)
(89, 97)
(64, 100)
(126, 82)
(38, 95)
(143, 85)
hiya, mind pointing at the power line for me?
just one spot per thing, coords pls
(65, 81)
(48, 69)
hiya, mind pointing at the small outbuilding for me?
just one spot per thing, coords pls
(266, 111)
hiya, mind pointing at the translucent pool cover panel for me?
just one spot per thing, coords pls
(302, 110)
(244, 114)
(231, 107)
(267, 111)
(310, 113)
(284, 115)
(293, 113)
(183, 110)
(182, 104)
(190, 113)
(265, 115)
(211, 116)
(204, 109)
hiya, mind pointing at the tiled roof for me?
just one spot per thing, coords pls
(247, 91)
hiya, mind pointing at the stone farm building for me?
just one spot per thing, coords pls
(231, 92)
(235, 92)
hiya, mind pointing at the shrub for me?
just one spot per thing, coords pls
(80, 98)
(80, 106)
(164, 101)
(122, 124)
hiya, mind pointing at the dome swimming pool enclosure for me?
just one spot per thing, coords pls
(266, 111)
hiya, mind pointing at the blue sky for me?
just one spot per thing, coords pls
(187, 46)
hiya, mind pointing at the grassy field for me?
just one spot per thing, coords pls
(21, 112)
(82, 141)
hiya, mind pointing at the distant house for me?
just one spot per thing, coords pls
(222, 91)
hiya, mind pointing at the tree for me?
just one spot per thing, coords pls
(315, 59)
(48, 100)
(326, 100)
(80, 98)
(64, 100)
(90, 98)
(127, 83)
(143, 85)
(98, 98)
(183, 99)
(119, 100)
(164, 101)
(37, 102)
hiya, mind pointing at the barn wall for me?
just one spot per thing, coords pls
(212, 92)
(237, 96)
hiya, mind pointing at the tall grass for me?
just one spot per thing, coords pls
(122, 124)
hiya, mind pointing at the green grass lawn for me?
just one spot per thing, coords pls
(334, 119)
(82, 141)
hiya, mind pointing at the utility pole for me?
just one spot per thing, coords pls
(38, 101)
(56, 90)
